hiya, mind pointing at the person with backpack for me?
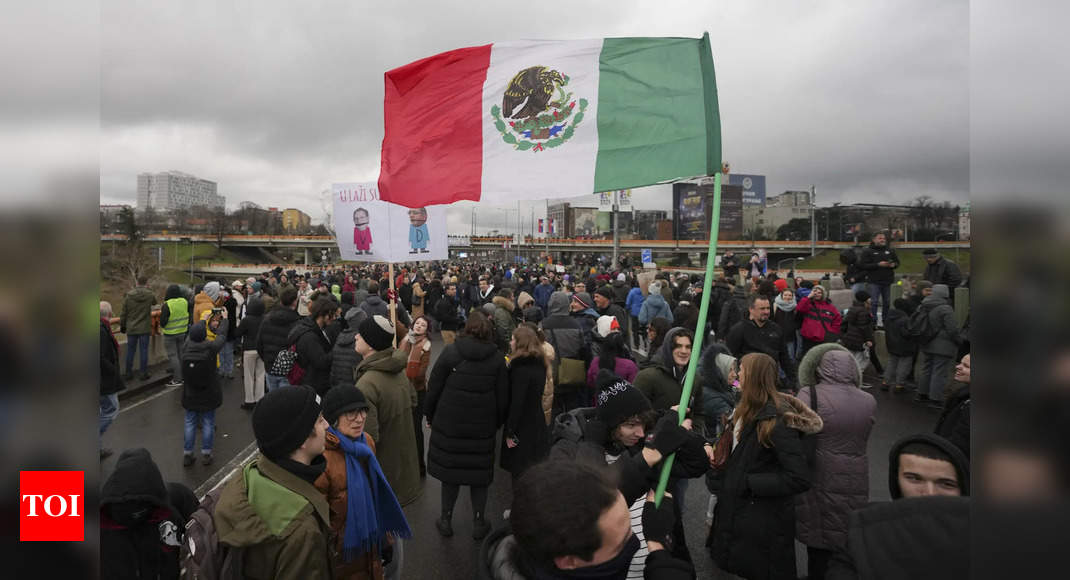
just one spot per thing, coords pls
(273, 336)
(201, 393)
(831, 383)
(901, 347)
(141, 528)
(313, 345)
(934, 327)
(270, 520)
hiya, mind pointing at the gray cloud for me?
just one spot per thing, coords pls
(275, 101)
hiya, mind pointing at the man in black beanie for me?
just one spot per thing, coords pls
(272, 510)
(618, 433)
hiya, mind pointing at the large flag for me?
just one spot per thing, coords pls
(549, 119)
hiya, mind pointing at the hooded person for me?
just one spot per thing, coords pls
(566, 336)
(654, 306)
(920, 533)
(504, 320)
(201, 392)
(140, 530)
(344, 357)
(662, 382)
(940, 350)
(252, 364)
(831, 383)
(211, 296)
(717, 373)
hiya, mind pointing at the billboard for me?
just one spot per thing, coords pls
(753, 187)
(693, 208)
(731, 227)
(689, 211)
(584, 221)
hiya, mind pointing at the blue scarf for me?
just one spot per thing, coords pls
(372, 510)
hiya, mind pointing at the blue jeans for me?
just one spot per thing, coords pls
(935, 371)
(272, 382)
(207, 421)
(884, 292)
(138, 342)
(226, 358)
(109, 408)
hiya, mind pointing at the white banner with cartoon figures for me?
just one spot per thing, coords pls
(369, 229)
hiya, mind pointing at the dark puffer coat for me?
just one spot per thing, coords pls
(344, 359)
(753, 533)
(313, 354)
(527, 379)
(274, 333)
(467, 401)
(859, 323)
(249, 327)
(208, 396)
(140, 533)
(840, 482)
(895, 334)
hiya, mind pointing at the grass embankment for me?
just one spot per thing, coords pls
(911, 261)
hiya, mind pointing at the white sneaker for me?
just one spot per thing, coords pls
(867, 387)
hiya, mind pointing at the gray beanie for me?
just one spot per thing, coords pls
(941, 291)
(212, 290)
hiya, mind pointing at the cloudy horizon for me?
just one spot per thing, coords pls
(276, 103)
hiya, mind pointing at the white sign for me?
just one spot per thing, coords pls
(605, 200)
(368, 229)
(624, 200)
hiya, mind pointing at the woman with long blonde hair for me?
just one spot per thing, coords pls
(753, 531)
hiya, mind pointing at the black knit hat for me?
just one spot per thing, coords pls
(340, 400)
(377, 331)
(861, 296)
(618, 400)
(198, 332)
(283, 419)
(605, 291)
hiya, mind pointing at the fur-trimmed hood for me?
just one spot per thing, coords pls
(502, 302)
(800, 417)
(808, 367)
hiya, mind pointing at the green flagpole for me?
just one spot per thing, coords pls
(696, 350)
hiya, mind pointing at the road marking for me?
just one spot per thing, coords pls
(147, 399)
(220, 477)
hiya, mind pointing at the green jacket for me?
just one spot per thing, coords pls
(136, 317)
(663, 390)
(280, 520)
(391, 398)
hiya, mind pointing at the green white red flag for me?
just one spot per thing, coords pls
(549, 119)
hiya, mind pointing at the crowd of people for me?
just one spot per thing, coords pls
(569, 381)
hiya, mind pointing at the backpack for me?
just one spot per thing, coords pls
(198, 374)
(202, 557)
(284, 362)
(920, 327)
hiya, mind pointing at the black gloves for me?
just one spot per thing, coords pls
(668, 436)
(658, 522)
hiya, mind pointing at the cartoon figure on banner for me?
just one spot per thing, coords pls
(418, 235)
(362, 235)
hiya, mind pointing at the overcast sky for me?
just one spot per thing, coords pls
(867, 101)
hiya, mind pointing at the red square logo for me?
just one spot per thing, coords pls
(52, 506)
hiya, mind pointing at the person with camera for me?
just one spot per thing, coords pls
(201, 393)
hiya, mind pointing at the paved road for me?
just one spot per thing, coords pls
(155, 422)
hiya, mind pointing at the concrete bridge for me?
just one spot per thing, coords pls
(530, 244)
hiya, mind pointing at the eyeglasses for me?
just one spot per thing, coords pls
(354, 414)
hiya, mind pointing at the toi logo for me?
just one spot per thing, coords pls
(52, 506)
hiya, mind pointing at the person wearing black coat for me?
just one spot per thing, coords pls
(954, 422)
(274, 335)
(525, 440)
(344, 357)
(901, 348)
(252, 364)
(201, 393)
(141, 532)
(879, 262)
(753, 531)
(111, 380)
(313, 345)
(467, 401)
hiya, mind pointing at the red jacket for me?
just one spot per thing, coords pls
(813, 313)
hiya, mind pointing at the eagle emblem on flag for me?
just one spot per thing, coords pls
(537, 111)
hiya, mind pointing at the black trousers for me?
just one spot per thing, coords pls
(817, 562)
(418, 426)
(451, 491)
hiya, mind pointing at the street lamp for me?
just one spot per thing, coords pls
(190, 240)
